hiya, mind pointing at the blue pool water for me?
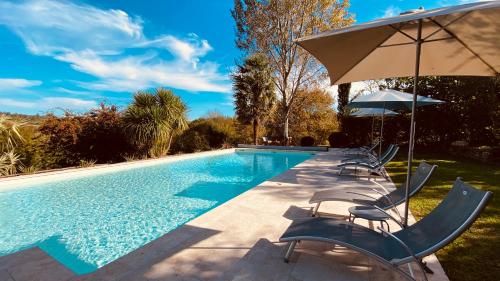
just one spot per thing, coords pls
(86, 223)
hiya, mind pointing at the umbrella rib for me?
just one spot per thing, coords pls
(410, 43)
(442, 27)
(465, 46)
(402, 32)
(397, 44)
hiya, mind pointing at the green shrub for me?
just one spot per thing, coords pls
(87, 163)
(307, 141)
(191, 141)
(212, 132)
(338, 139)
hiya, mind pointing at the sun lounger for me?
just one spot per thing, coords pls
(445, 223)
(369, 157)
(385, 201)
(363, 150)
(374, 167)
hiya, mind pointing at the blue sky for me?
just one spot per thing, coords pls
(60, 54)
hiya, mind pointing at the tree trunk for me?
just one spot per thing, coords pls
(285, 132)
(343, 100)
(255, 127)
(169, 142)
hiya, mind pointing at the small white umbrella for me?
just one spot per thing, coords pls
(456, 40)
(390, 99)
(373, 112)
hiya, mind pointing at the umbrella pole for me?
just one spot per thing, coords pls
(373, 124)
(412, 125)
(381, 134)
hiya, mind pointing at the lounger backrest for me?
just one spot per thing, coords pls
(390, 155)
(418, 180)
(387, 152)
(455, 214)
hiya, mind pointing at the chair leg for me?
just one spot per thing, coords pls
(315, 211)
(426, 268)
(388, 227)
(289, 251)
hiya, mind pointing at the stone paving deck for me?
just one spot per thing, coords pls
(237, 240)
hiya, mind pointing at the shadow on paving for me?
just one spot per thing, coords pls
(152, 255)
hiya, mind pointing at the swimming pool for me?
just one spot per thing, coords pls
(87, 222)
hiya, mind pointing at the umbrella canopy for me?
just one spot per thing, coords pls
(391, 99)
(457, 40)
(372, 112)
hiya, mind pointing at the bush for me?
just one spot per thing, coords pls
(213, 132)
(60, 136)
(191, 141)
(102, 136)
(338, 139)
(307, 141)
(97, 134)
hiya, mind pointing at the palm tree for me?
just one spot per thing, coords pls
(253, 91)
(154, 118)
(10, 136)
(10, 163)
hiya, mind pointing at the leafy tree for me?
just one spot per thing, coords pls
(153, 119)
(314, 116)
(271, 27)
(470, 113)
(253, 91)
(59, 138)
(343, 100)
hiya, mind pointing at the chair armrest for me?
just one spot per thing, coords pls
(394, 207)
(407, 249)
(390, 216)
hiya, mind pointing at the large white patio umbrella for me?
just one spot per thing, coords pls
(457, 40)
(374, 112)
(390, 100)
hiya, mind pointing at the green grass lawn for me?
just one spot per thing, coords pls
(476, 254)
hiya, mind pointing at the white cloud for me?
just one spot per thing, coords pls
(49, 27)
(391, 11)
(189, 50)
(94, 41)
(67, 103)
(468, 1)
(16, 103)
(48, 103)
(8, 84)
(138, 72)
(74, 92)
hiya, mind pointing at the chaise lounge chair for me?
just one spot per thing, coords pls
(385, 201)
(445, 223)
(370, 157)
(374, 167)
(363, 150)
